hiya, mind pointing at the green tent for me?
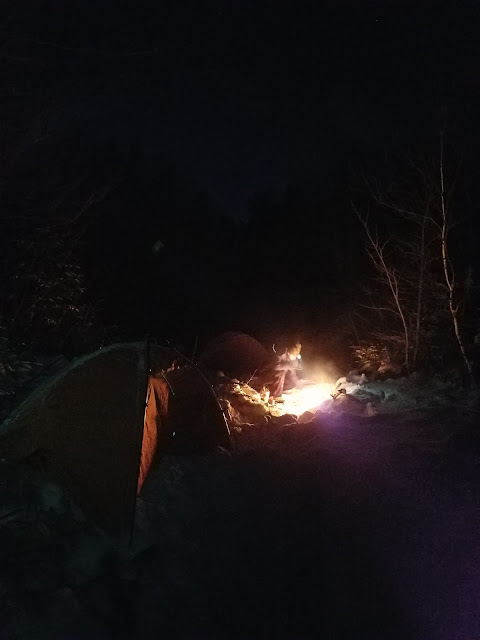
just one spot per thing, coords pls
(106, 418)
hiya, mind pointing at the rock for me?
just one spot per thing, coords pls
(306, 417)
(348, 403)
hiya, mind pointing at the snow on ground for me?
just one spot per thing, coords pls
(342, 527)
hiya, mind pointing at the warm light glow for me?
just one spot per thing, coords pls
(308, 397)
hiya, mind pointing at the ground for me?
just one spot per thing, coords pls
(343, 527)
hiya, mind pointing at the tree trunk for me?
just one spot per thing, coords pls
(448, 271)
(421, 278)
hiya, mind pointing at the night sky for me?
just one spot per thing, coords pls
(194, 113)
(245, 96)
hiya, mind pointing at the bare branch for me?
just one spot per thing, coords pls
(377, 254)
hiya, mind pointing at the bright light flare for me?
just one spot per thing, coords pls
(307, 397)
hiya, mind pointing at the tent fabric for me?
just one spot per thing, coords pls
(90, 421)
(235, 354)
(101, 433)
(154, 430)
(195, 423)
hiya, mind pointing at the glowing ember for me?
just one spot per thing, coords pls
(306, 398)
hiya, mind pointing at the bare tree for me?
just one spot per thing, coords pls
(448, 267)
(390, 276)
(418, 270)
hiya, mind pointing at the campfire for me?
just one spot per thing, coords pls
(308, 396)
(245, 404)
(273, 389)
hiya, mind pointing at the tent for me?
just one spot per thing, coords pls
(105, 419)
(236, 354)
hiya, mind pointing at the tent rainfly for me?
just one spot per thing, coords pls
(105, 419)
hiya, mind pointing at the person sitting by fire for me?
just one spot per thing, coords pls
(286, 369)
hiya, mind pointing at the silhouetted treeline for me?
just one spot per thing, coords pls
(96, 246)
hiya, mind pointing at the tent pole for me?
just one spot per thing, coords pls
(142, 398)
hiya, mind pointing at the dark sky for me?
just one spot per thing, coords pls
(244, 95)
